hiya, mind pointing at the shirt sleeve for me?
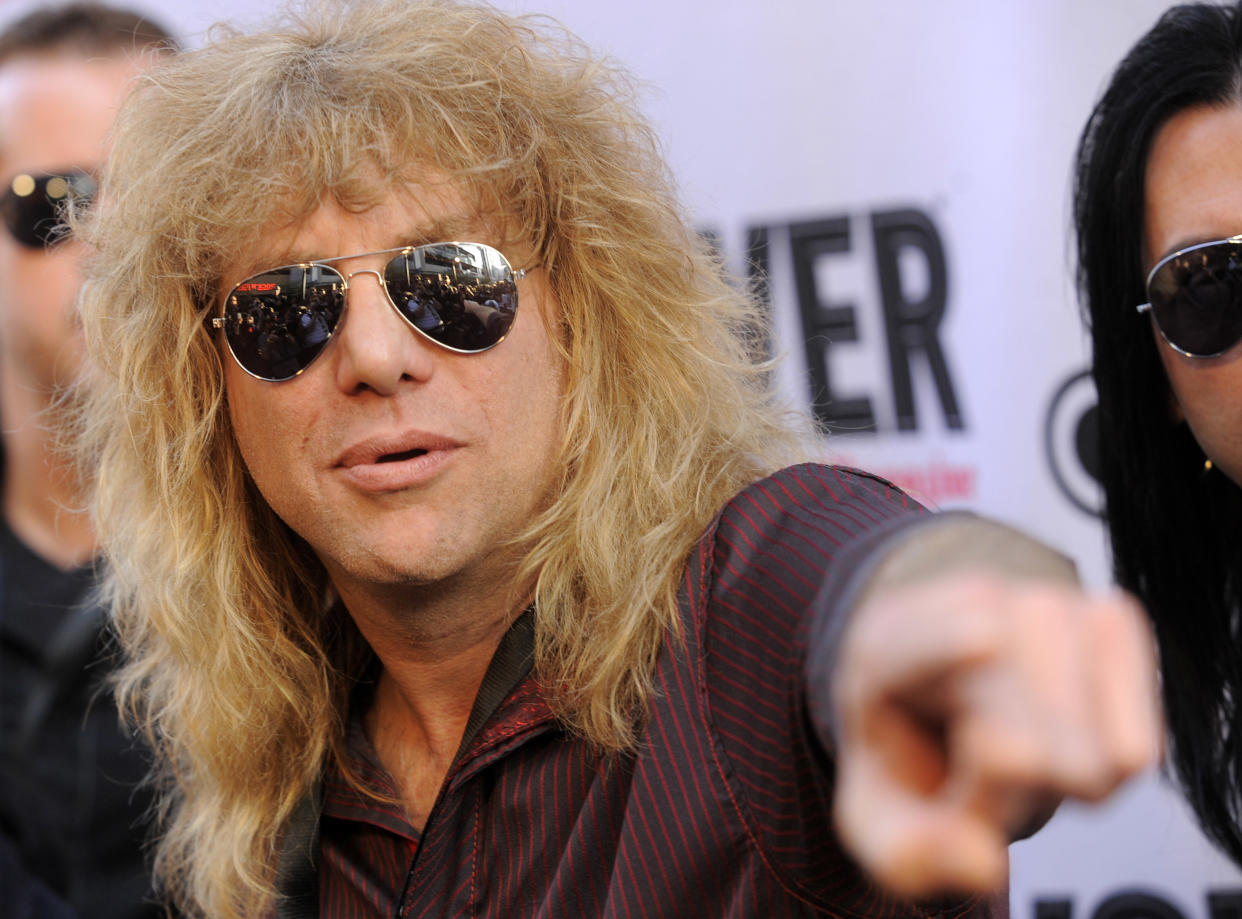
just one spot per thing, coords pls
(786, 555)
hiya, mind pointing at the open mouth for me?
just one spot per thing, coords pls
(404, 455)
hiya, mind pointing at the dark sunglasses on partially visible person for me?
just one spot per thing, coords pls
(460, 295)
(1195, 296)
(32, 207)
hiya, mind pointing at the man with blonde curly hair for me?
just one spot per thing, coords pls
(453, 539)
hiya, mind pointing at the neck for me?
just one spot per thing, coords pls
(433, 662)
(435, 654)
(42, 493)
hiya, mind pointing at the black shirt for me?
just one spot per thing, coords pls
(70, 817)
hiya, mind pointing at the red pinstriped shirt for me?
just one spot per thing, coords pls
(724, 810)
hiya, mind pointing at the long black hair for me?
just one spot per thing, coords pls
(1174, 526)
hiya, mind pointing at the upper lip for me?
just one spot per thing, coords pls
(374, 449)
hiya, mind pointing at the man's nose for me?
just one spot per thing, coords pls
(378, 349)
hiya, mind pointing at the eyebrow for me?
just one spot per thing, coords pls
(1198, 239)
(455, 228)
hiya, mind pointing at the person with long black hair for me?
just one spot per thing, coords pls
(1158, 213)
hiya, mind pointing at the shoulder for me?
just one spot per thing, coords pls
(831, 506)
(824, 487)
(787, 531)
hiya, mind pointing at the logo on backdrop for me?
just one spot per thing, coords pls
(902, 251)
(903, 242)
(1071, 442)
(1138, 904)
(912, 317)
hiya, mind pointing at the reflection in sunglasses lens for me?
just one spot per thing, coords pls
(1195, 297)
(460, 295)
(278, 322)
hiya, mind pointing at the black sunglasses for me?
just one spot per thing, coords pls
(1195, 296)
(32, 207)
(462, 296)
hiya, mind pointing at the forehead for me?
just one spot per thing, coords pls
(367, 215)
(56, 111)
(1193, 186)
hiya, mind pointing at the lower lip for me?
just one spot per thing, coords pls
(399, 474)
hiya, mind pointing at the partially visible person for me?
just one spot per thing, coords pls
(71, 819)
(1158, 214)
(458, 541)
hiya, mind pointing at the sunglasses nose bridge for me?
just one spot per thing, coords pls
(379, 277)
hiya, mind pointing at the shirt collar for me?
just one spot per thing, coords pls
(507, 710)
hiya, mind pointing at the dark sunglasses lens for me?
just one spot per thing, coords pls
(33, 206)
(277, 322)
(461, 295)
(1196, 298)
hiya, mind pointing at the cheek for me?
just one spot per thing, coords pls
(247, 433)
(1172, 372)
(541, 394)
(1208, 396)
(57, 273)
(41, 287)
(521, 406)
(37, 319)
(261, 425)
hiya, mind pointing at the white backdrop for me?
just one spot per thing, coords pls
(947, 128)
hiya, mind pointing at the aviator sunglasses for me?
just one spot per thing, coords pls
(32, 206)
(1195, 296)
(460, 295)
